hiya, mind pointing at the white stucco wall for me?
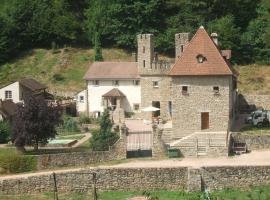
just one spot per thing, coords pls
(15, 88)
(132, 92)
(81, 104)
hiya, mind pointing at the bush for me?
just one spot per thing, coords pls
(12, 162)
(58, 77)
(4, 132)
(70, 124)
(85, 119)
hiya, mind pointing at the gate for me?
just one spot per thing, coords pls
(139, 144)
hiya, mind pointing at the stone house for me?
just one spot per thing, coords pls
(196, 92)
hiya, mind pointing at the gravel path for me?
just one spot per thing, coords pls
(256, 158)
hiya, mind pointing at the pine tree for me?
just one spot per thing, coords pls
(98, 50)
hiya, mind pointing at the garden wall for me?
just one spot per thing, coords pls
(254, 141)
(258, 100)
(116, 152)
(142, 179)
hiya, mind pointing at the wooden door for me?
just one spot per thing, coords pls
(204, 120)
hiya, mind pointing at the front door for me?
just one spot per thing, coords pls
(204, 120)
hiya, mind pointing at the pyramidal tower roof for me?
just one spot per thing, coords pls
(201, 57)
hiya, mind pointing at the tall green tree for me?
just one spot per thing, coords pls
(255, 41)
(98, 49)
(103, 138)
(229, 35)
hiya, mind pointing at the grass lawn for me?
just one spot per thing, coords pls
(253, 130)
(256, 193)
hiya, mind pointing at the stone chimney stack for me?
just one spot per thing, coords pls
(181, 41)
(214, 37)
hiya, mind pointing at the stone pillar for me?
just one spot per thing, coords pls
(194, 180)
(120, 147)
(158, 149)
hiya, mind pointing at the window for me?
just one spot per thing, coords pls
(216, 89)
(115, 82)
(200, 58)
(8, 94)
(136, 82)
(136, 106)
(96, 83)
(184, 90)
(82, 99)
(182, 48)
(143, 63)
(143, 49)
(155, 84)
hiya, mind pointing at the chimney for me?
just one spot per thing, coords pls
(134, 56)
(214, 37)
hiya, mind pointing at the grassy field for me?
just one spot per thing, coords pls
(254, 79)
(256, 193)
(63, 69)
(255, 130)
(58, 70)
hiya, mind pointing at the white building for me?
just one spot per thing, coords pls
(113, 85)
(16, 91)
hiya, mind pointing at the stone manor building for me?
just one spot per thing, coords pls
(195, 93)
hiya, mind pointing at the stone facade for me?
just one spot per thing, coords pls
(187, 108)
(159, 148)
(181, 40)
(139, 179)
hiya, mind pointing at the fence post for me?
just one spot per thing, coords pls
(94, 186)
(55, 187)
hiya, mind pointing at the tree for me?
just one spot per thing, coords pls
(229, 35)
(98, 50)
(103, 138)
(256, 39)
(35, 122)
(4, 132)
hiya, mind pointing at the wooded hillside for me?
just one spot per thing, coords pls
(243, 25)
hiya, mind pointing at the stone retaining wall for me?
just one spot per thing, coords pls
(258, 100)
(254, 141)
(117, 179)
(140, 179)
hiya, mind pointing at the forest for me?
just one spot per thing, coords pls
(242, 25)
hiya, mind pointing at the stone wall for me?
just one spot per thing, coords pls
(162, 93)
(258, 100)
(254, 141)
(159, 148)
(116, 179)
(139, 179)
(187, 108)
(217, 178)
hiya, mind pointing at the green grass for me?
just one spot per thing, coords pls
(253, 130)
(255, 193)
(43, 64)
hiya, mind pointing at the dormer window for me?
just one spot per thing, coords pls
(200, 58)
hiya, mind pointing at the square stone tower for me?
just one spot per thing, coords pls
(181, 41)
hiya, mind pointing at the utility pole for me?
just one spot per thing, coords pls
(55, 187)
(94, 186)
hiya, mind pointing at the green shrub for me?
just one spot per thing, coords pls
(103, 138)
(4, 132)
(83, 119)
(69, 124)
(58, 77)
(12, 162)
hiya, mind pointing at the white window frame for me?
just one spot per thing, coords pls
(81, 99)
(216, 91)
(8, 94)
(184, 92)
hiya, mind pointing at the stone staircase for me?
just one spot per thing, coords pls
(202, 144)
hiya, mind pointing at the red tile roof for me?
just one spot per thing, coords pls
(112, 70)
(201, 44)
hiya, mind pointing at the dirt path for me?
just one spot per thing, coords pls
(256, 158)
(84, 139)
